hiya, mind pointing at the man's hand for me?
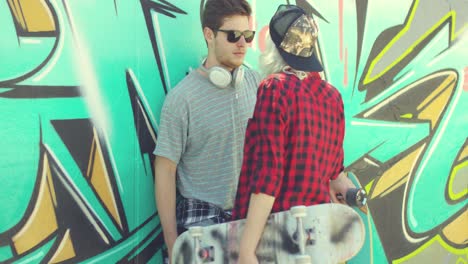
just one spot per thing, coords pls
(340, 186)
(170, 240)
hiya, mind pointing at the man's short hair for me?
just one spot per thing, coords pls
(215, 11)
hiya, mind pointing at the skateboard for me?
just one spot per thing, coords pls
(324, 233)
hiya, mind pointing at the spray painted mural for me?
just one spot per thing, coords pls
(82, 84)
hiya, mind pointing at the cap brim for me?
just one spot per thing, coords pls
(309, 64)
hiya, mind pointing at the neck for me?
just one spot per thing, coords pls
(299, 74)
(211, 62)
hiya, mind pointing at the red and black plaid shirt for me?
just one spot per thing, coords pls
(293, 144)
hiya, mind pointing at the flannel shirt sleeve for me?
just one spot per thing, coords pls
(267, 129)
(339, 167)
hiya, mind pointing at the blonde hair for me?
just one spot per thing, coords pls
(270, 61)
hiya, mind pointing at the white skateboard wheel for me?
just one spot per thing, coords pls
(302, 259)
(299, 211)
(196, 231)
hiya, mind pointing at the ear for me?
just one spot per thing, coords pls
(209, 34)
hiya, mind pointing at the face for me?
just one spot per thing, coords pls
(224, 53)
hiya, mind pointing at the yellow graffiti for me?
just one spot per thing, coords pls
(464, 153)
(433, 108)
(407, 116)
(449, 80)
(437, 239)
(43, 221)
(65, 250)
(397, 175)
(99, 177)
(457, 231)
(455, 196)
(369, 186)
(32, 16)
(451, 15)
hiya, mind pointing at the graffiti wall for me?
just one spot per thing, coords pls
(81, 88)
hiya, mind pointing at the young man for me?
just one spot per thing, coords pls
(293, 153)
(202, 126)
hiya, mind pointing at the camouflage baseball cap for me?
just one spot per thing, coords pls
(294, 34)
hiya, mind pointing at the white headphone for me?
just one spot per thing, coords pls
(221, 77)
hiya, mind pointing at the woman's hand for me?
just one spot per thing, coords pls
(340, 186)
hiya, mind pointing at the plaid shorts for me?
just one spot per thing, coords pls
(194, 212)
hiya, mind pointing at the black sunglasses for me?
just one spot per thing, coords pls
(234, 35)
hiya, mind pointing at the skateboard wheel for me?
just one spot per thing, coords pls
(196, 231)
(356, 197)
(303, 259)
(299, 211)
(206, 253)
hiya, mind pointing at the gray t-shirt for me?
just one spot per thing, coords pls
(202, 130)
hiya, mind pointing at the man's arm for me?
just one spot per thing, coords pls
(259, 209)
(165, 194)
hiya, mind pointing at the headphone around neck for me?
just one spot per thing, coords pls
(222, 78)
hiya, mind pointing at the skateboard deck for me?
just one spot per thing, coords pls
(324, 233)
